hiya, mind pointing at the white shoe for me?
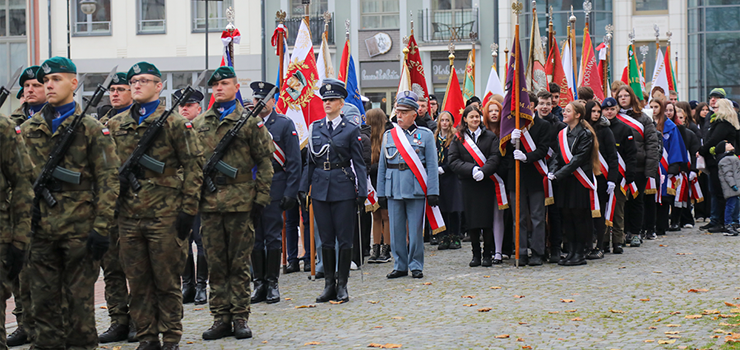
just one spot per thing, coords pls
(353, 266)
(688, 226)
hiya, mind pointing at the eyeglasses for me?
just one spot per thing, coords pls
(141, 81)
(119, 90)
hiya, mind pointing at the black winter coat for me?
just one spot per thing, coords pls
(450, 193)
(555, 126)
(530, 177)
(608, 149)
(719, 130)
(625, 143)
(648, 148)
(479, 197)
(570, 192)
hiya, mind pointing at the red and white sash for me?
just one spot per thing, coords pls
(589, 184)
(279, 154)
(682, 191)
(371, 203)
(633, 123)
(669, 179)
(475, 152)
(695, 191)
(651, 186)
(540, 165)
(627, 190)
(436, 223)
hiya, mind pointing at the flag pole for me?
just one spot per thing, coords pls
(494, 55)
(506, 51)
(280, 16)
(550, 33)
(609, 30)
(312, 236)
(668, 53)
(572, 21)
(517, 8)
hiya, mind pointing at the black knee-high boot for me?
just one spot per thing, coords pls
(188, 280)
(330, 264)
(475, 246)
(259, 292)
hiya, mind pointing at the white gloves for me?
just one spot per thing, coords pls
(692, 176)
(519, 155)
(440, 171)
(477, 174)
(515, 135)
(551, 176)
(610, 186)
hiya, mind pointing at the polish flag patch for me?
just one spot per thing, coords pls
(629, 137)
(18, 130)
(295, 133)
(106, 132)
(260, 124)
(359, 138)
(188, 125)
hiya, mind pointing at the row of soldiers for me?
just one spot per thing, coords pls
(136, 225)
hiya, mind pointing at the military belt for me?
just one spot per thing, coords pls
(402, 166)
(225, 180)
(330, 165)
(167, 172)
(60, 186)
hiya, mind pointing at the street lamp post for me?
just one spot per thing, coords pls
(87, 7)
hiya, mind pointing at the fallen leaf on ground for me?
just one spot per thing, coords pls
(408, 290)
(662, 245)
(288, 298)
(736, 310)
(656, 312)
(391, 346)
(469, 305)
(336, 302)
(692, 317)
(378, 327)
(646, 299)
(397, 317)
(674, 337)
(714, 336)
(375, 345)
(553, 312)
(485, 309)
(486, 276)
(198, 309)
(672, 332)
(648, 341)
(519, 339)
(468, 296)
(576, 319)
(306, 306)
(373, 301)
(623, 267)
(427, 283)
(495, 287)
(119, 347)
(617, 311)
(710, 312)
(526, 347)
(652, 327)
(673, 325)
(692, 290)
(561, 339)
(502, 336)
(312, 343)
(733, 338)
(657, 271)
(574, 310)
(725, 316)
(518, 296)
(675, 312)
(722, 331)
(661, 341)
(567, 300)
(730, 304)
(521, 322)
(658, 320)
(683, 253)
(736, 298)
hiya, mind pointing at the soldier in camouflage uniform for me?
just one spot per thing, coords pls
(35, 98)
(72, 236)
(155, 222)
(228, 214)
(116, 290)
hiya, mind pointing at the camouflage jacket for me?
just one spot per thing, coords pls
(177, 146)
(108, 115)
(19, 115)
(90, 204)
(16, 170)
(253, 146)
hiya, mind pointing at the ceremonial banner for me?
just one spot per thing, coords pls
(493, 87)
(348, 75)
(670, 70)
(516, 93)
(660, 76)
(468, 90)
(589, 73)
(554, 70)
(569, 72)
(416, 69)
(631, 74)
(228, 37)
(454, 102)
(536, 77)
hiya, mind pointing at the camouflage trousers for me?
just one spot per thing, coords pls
(61, 275)
(22, 297)
(116, 289)
(153, 258)
(5, 291)
(229, 239)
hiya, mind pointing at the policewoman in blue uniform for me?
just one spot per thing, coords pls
(334, 151)
(399, 188)
(286, 164)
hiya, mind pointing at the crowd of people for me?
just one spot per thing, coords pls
(594, 177)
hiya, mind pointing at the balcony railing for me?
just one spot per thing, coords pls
(448, 25)
(315, 24)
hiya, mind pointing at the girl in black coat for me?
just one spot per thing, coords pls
(450, 199)
(578, 144)
(681, 217)
(606, 185)
(478, 190)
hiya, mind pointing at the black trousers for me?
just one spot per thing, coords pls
(337, 222)
(635, 207)
(487, 240)
(661, 225)
(600, 222)
(702, 209)
(452, 223)
(577, 227)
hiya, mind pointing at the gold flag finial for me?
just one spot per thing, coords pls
(451, 49)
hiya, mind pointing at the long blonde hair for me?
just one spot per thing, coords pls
(450, 132)
(725, 111)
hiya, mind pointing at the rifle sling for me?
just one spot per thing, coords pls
(167, 172)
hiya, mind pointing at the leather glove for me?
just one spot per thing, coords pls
(14, 261)
(184, 225)
(287, 203)
(519, 155)
(303, 200)
(97, 245)
(257, 212)
(360, 201)
(433, 200)
(440, 171)
(551, 176)
(692, 176)
(383, 202)
(610, 186)
(516, 134)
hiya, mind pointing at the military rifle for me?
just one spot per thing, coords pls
(127, 172)
(5, 90)
(215, 162)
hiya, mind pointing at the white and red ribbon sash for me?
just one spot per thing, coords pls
(604, 166)
(633, 123)
(436, 223)
(628, 190)
(611, 204)
(651, 186)
(589, 184)
(682, 191)
(696, 195)
(279, 154)
(475, 152)
(540, 165)
(371, 203)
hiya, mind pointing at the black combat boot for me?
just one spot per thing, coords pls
(259, 293)
(132, 333)
(218, 330)
(115, 333)
(375, 254)
(330, 262)
(571, 251)
(188, 280)
(149, 345)
(554, 254)
(201, 296)
(18, 337)
(578, 258)
(241, 329)
(345, 259)
(272, 272)
(170, 346)
(475, 246)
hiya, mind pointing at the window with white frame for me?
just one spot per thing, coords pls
(13, 48)
(151, 17)
(216, 15)
(316, 8)
(98, 23)
(380, 14)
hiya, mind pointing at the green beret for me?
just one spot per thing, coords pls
(143, 68)
(28, 73)
(119, 79)
(55, 64)
(224, 72)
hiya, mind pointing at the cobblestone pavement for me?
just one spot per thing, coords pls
(627, 301)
